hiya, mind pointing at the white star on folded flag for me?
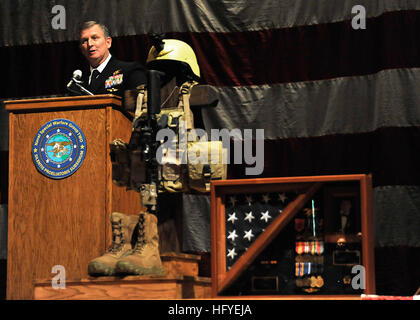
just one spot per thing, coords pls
(249, 217)
(232, 200)
(266, 198)
(249, 200)
(233, 235)
(232, 217)
(248, 235)
(232, 253)
(246, 217)
(282, 197)
(265, 216)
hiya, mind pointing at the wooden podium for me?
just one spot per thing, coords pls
(62, 222)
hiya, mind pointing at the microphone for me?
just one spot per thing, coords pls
(77, 82)
(77, 74)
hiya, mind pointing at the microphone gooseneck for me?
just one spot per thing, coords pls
(77, 82)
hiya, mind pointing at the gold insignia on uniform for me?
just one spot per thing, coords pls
(112, 89)
(116, 72)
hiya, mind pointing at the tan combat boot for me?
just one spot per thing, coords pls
(145, 257)
(122, 232)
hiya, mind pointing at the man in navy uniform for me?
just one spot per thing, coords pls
(106, 75)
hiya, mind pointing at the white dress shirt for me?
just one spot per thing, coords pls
(100, 68)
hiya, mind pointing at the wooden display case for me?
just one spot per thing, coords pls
(297, 237)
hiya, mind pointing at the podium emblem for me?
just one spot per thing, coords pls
(59, 148)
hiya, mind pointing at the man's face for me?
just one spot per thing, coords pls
(94, 45)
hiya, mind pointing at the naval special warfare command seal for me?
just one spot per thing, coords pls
(59, 148)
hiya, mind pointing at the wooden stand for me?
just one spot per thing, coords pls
(62, 222)
(181, 281)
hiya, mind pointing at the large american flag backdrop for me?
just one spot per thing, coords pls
(331, 99)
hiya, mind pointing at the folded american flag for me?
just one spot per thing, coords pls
(247, 216)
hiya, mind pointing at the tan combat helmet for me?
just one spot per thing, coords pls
(174, 57)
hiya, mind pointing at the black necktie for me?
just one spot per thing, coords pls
(94, 78)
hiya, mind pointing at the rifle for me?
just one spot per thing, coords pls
(143, 144)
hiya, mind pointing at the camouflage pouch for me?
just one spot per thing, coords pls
(206, 162)
(172, 171)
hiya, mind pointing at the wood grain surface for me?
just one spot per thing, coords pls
(129, 288)
(60, 222)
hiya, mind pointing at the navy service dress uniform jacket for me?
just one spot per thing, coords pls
(116, 77)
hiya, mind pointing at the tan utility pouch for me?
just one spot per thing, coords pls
(206, 161)
(172, 178)
(172, 172)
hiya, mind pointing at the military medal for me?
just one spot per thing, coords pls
(321, 247)
(317, 282)
(307, 268)
(313, 281)
(299, 247)
(297, 269)
(320, 281)
(313, 247)
(304, 268)
(299, 282)
(113, 81)
(307, 247)
(303, 282)
(318, 247)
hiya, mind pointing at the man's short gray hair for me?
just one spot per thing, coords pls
(89, 24)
